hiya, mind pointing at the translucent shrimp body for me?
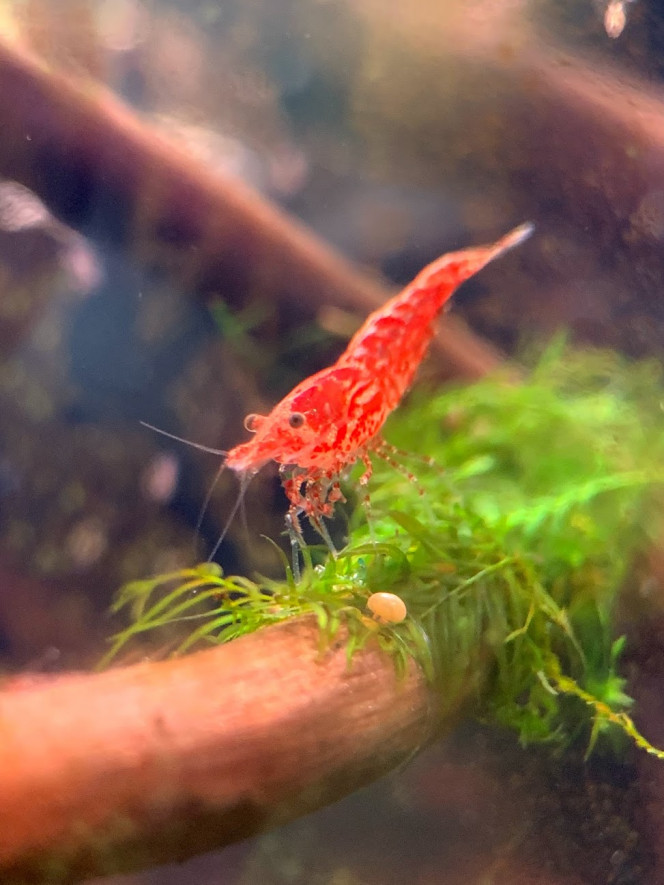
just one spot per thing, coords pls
(333, 418)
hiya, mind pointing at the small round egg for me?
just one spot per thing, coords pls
(387, 608)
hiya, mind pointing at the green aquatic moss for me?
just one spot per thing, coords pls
(509, 549)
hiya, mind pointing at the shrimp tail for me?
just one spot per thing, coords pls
(441, 277)
(515, 237)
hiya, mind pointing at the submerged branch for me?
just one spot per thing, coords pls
(159, 761)
(112, 177)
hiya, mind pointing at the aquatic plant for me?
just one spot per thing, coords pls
(509, 555)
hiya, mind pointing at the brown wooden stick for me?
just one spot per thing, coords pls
(105, 173)
(159, 761)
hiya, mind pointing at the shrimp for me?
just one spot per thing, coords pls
(333, 418)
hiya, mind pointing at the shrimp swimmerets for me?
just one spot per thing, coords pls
(333, 418)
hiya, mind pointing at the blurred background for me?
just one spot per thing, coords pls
(393, 133)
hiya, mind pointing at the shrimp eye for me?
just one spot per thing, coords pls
(296, 419)
(253, 422)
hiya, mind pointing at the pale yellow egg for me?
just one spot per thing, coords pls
(388, 608)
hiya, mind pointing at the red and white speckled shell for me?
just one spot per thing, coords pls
(330, 419)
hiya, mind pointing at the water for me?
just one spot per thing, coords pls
(394, 134)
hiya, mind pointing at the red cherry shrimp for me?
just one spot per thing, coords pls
(333, 418)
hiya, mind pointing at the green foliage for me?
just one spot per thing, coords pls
(509, 555)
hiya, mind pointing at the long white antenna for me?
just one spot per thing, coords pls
(187, 442)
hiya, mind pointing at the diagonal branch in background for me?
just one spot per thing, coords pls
(159, 761)
(105, 173)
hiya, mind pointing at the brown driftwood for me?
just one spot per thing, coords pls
(159, 761)
(105, 173)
